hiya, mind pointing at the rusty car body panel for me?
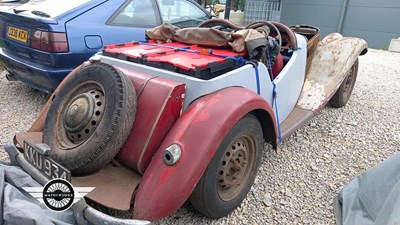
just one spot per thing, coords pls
(333, 57)
(199, 143)
(337, 54)
(114, 176)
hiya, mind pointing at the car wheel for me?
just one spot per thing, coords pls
(231, 172)
(90, 118)
(342, 95)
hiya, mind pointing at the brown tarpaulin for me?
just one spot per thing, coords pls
(252, 41)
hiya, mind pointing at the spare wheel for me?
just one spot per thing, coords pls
(90, 118)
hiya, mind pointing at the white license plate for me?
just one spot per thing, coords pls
(48, 167)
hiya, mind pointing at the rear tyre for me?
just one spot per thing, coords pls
(231, 172)
(90, 118)
(342, 95)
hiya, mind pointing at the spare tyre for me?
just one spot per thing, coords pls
(90, 118)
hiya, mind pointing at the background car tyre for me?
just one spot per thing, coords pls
(231, 172)
(342, 95)
(90, 118)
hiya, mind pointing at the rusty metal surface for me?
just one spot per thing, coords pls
(296, 119)
(311, 47)
(333, 57)
(114, 185)
(31, 137)
(158, 107)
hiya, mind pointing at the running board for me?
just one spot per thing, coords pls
(296, 119)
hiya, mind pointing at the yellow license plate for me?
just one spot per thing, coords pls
(18, 34)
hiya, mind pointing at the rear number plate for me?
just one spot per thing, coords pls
(48, 167)
(18, 34)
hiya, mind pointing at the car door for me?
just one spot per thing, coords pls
(290, 80)
(112, 22)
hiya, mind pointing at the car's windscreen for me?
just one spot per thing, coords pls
(48, 8)
(181, 13)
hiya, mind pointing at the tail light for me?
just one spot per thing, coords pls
(49, 41)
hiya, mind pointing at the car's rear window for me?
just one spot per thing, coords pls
(50, 8)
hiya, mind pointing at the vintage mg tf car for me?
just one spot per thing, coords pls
(184, 115)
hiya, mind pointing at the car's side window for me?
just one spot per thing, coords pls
(181, 13)
(140, 13)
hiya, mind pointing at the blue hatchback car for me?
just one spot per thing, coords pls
(43, 40)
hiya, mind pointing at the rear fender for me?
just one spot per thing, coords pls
(333, 57)
(199, 132)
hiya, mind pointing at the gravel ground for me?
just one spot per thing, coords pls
(297, 184)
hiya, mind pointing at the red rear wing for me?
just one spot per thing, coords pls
(192, 60)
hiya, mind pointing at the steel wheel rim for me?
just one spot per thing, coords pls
(81, 115)
(236, 166)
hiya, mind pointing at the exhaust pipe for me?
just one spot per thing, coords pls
(10, 77)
